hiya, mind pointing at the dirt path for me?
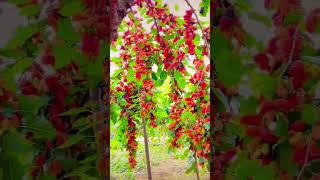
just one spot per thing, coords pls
(173, 169)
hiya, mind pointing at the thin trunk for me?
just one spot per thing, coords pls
(164, 136)
(146, 148)
(197, 169)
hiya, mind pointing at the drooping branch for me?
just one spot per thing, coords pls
(200, 26)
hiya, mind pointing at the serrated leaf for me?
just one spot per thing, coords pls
(41, 128)
(15, 145)
(74, 111)
(71, 141)
(116, 59)
(196, 40)
(31, 104)
(71, 8)
(229, 68)
(81, 122)
(11, 53)
(285, 154)
(18, 1)
(95, 70)
(11, 168)
(252, 168)
(154, 76)
(22, 34)
(293, 17)
(63, 55)
(260, 18)
(310, 114)
(163, 75)
(248, 106)
(31, 10)
(243, 5)
(67, 32)
(281, 127)
(264, 84)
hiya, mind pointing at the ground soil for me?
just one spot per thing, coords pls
(172, 169)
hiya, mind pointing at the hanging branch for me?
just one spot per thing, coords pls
(291, 52)
(201, 28)
(154, 20)
(305, 164)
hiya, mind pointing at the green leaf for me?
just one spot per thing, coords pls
(285, 154)
(252, 168)
(86, 177)
(294, 17)
(260, 18)
(192, 168)
(154, 76)
(63, 55)
(15, 145)
(95, 70)
(264, 84)
(163, 75)
(31, 10)
(11, 53)
(131, 76)
(79, 170)
(41, 128)
(196, 40)
(310, 114)
(188, 115)
(71, 141)
(243, 5)
(22, 34)
(176, 7)
(281, 127)
(180, 80)
(31, 104)
(74, 111)
(81, 122)
(205, 5)
(11, 168)
(9, 75)
(116, 59)
(248, 106)
(89, 159)
(71, 8)
(220, 43)
(66, 31)
(229, 68)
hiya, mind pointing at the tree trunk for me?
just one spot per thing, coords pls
(197, 169)
(163, 136)
(146, 148)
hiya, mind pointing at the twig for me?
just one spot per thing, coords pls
(154, 19)
(201, 28)
(305, 164)
(291, 52)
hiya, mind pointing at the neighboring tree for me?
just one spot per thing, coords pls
(53, 97)
(267, 120)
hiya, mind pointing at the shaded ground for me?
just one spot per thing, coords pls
(171, 169)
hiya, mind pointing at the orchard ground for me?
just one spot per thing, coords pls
(165, 166)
